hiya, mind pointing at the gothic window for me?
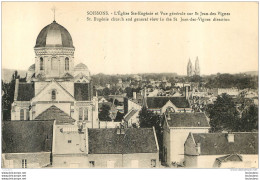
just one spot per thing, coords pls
(54, 63)
(67, 63)
(53, 95)
(41, 64)
(80, 114)
(21, 114)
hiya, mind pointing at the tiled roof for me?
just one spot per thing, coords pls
(82, 91)
(130, 114)
(54, 113)
(27, 136)
(25, 91)
(160, 101)
(135, 140)
(188, 120)
(217, 143)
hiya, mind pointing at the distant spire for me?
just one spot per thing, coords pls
(53, 9)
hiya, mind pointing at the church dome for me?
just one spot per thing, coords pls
(32, 67)
(81, 67)
(54, 35)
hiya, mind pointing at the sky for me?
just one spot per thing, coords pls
(137, 47)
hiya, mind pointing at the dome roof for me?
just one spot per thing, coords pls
(32, 67)
(80, 67)
(54, 35)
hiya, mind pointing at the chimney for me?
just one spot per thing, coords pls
(230, 137)
(198, 148)
(134, 95)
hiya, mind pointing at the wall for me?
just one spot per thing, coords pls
(177, 140)
(125, 161)
(70, 161)
(34, 160)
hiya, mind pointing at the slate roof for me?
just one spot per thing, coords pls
(54, 113)
(135, 140)
(188, 120)
(25, 91)
(130, 114)
(160, 101)
(27, 136)
(82, 91)
(217, 143)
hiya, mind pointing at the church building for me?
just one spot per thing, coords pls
(55, 88)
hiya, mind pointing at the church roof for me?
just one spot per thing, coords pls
(80, 67)
(25, 91)
(54, 113)
(27, 136)
(54, 35)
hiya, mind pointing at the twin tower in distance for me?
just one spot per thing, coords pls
(191, 71)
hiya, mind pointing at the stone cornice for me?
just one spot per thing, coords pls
(54, 50)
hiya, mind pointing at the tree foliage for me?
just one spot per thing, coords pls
(224, 115)
(104, 114)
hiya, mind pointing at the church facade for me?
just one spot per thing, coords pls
(55, 88)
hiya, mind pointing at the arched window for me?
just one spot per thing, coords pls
(67, 64)
(85, 114)
(80, 114)
(41, 64)
(54, 63)
(21, 114)
(53, 95)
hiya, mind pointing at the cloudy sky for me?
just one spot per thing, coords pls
(137, 47)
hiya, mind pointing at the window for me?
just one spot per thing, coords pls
(41, 64)
(67, 64)
(24, 163)
(91, 163)
(27, 114)
(69, 141)
(54, 63)
(80, 114)
(53, 95)
(85, 114)
(153, 163)
(21, 114)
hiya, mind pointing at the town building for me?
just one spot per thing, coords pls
(54, 84)
(221, 150)
(176, 129)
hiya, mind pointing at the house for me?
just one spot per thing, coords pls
(221, 150)
(176, 129)
(123, 148)
(132, 118)
(105, 148)
(54, 81)
(161, 103)
(27, 144)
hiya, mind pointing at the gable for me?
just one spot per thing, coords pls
(46, 93)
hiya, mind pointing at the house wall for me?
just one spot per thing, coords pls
(16, 107)
(177, 139)
(70, 161)
(166, 145)
(125, 161)
(208, 161)
(34, 160)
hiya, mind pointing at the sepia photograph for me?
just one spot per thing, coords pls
(167, 85)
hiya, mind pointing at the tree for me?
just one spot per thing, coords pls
(8, 96)
(105, 112)
(148, 119)
(249, 119)
(106, 91)
(223, 114)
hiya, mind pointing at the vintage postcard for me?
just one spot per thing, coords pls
(129, 85)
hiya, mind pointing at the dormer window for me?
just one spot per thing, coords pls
(41, 64)
(53, 95)
(67, 63)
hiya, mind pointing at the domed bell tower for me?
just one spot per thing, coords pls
(54, 52)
